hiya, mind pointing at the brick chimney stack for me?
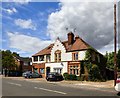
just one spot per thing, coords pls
(70, 38)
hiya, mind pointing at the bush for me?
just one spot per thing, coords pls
(72, 77)
(65, 76)
(69, 76)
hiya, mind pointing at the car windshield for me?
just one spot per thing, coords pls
(53, 73)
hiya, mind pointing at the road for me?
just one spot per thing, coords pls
(12, 87)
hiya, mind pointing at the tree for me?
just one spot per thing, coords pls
(118, 59)
(110, 60)
(8, 60)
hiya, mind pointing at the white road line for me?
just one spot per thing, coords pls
(50, 90)
(14, 84)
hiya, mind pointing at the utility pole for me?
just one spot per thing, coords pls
(115, 44)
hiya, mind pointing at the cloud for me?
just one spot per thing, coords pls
(18, 1)
(25, 24)
(10, 11)
(93, 22)
(26, 43)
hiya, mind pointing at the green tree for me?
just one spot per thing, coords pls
(110, 60)
(118, 59)
(8, 60)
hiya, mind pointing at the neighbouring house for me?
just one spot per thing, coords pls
(27, 64)
(23, 63)
(64, 56)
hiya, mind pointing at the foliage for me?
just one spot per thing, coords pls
(8, 59)
(95, 74)
(69, 76)
(65, 75)
(118, 59)
(88, 54)
(93, 66)
(82, 77)
(110, 60)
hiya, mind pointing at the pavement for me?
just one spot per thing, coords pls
(105, 85)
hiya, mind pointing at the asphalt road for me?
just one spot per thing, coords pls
(12, 87)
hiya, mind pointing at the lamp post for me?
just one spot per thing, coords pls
(115, 44)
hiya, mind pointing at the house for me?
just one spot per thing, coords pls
(27, 64)
(23, 63)
(62, 57)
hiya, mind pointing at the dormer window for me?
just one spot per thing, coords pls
(57, 56)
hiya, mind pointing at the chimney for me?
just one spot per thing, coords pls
(70, 38)
(76, 37)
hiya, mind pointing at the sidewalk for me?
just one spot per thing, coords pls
(107, 84)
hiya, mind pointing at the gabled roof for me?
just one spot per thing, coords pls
(45, 51)
(78, 45)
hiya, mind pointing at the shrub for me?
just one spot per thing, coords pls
(69, 76)
(72, 77)
(65, 76)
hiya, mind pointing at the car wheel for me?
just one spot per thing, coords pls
(47, 79)
(30, 76)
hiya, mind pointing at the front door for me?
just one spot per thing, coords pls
(47, 70)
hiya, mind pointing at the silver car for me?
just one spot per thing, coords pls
(30, 74)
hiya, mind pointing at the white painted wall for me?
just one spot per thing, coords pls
(58, 46)
(57, 65)
(81, 55)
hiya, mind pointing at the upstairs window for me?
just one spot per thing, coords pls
(47, 58)
(57, 56)
(75, 56)
(35, 58)
(41, 58)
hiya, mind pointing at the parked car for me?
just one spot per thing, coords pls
(26, 72)
(30, 74)
(117, 86)
(54, 76)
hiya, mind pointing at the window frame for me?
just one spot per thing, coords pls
(75, 56)
(57, 56)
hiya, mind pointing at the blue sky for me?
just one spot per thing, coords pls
(37, 12)
(28, 27)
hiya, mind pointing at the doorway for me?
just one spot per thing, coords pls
(47, 70)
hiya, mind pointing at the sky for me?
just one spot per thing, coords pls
(28, 27)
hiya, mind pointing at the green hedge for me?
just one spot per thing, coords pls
(69, 76)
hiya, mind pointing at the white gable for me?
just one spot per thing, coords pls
(58, 46)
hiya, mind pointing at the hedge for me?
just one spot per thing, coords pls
(69, 76)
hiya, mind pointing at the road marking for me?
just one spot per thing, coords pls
(14, 84)
(50, 90)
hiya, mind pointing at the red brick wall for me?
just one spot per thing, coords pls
(38, 66)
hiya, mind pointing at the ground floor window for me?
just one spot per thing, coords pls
(59, 70)
(74, 69)
(42, 70)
